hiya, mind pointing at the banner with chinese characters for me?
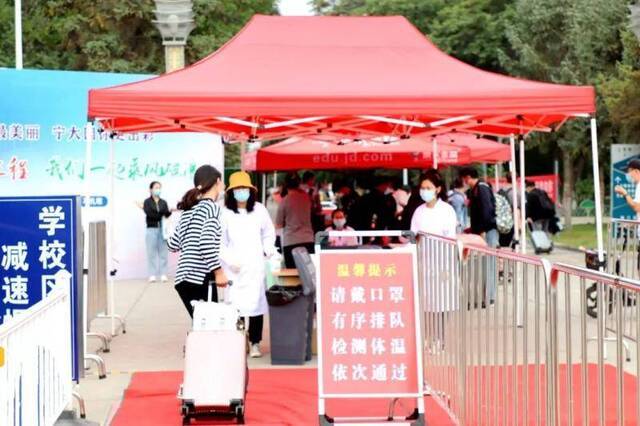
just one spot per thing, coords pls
(39, 249)
(42, 152)
(368, 323)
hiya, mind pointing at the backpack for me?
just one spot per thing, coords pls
(547, 206)
(504, 215)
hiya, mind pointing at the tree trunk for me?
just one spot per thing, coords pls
(567, 188)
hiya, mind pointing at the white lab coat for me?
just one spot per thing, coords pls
(441, 292)
(246, 238)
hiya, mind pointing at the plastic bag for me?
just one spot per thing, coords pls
(279, 295)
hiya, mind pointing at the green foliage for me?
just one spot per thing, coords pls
(471, 30)
(114, 35)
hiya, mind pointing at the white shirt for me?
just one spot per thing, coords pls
(636, 198)
(342, 241)
(438, 220)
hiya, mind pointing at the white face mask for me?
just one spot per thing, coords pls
(339, 223)
(427, 195)
(388, 191)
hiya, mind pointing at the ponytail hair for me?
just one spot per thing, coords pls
(203, 180)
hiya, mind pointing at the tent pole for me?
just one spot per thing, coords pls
(264, 188)
(523, 200)
(275, 179)
(496, 170)
(596, 188)
(85, 225)
(111, 249)
(435, 153)
(243, 150)
(514, 188)
(405, 177)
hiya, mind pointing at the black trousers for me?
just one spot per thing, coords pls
(255, 328)
(288, 256)
(189, 292)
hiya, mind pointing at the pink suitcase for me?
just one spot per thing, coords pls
(215, 374)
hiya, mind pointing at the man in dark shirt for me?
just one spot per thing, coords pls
(376, 210)
(346, 199)
(482, 212)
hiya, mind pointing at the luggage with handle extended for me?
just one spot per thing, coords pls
(215, 374)
(540, 240)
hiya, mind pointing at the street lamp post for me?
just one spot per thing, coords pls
(174, 20)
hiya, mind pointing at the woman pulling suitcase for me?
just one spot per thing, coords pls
(247, 236)
(197, 238)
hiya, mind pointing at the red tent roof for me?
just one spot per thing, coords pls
(354, 76)
(322, 152)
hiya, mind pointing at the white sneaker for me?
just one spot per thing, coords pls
(164, 279)
(255, 351)
(152, 279)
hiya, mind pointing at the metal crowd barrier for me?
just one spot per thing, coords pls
(527, 352)
(35, 380)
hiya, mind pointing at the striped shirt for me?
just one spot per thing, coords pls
(197, 238)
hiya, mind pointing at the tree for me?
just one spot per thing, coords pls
(572, 42)
(471, 30)
(114, 35)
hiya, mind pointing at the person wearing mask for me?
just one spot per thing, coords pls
(197, 237)
(458, 201)
(633, 178)
(248, 236)
(294, 218)
(482, 213)
(377, 209)
(436, 216)
(308, 185)
(339, 220)
(400, 195)
(155, 209)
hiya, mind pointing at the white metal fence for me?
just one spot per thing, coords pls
(526, 351)
(35, 380)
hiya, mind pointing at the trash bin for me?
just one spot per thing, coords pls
(288, 319)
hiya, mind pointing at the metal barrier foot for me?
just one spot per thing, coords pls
(123, 325)
(418, 419)
(81, 406)
(102, 369)
(104, 338)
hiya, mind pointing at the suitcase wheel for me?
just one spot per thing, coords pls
(240, 415)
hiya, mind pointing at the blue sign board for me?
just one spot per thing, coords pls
(620, 157)
(39, 237)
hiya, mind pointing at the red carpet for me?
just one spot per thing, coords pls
(275, 397)
(289, 397)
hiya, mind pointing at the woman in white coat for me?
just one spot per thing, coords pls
(248, 235)
(436, 216)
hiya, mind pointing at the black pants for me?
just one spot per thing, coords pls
(189, 292)
(255, 328)
(288, 256)
(506, 240)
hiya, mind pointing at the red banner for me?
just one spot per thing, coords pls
(368, 323)
(549, 183)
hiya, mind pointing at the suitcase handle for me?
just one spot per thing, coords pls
(210, 290)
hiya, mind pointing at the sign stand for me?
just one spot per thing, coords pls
(369, 325)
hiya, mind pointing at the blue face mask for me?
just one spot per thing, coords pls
(629, 178)
(241, 195)
(156, 192)
(427, 195)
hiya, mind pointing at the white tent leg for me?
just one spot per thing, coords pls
(523, 200)
(275, 179)
(496, 170)
(264, 188)
(514, 188)
(596, 188)
(435, 153)
(405, 177)
(85, 224)
(17, 4)
(111, 249)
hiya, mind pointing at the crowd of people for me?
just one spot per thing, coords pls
(224, 234)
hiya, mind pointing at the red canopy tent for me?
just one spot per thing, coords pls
(322, 152)
(353, 77)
